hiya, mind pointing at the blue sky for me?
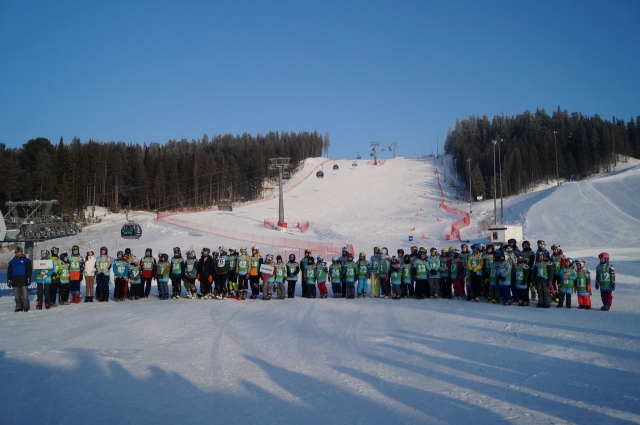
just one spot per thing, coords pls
(151, 71)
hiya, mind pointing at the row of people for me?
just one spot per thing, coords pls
(507, 274)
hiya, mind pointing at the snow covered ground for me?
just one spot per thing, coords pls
(344, 361)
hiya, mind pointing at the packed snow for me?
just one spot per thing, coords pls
(318, 361)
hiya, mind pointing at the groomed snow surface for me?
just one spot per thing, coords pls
(344, 361)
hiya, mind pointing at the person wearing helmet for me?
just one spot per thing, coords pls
(63, 273)
(293, 270)
(433, 269)
(242, 273)
(205, 274)
(43, 280)
(583, 285)
(281, 273)
(363, 271)
(474, 267)
(303, 267)
(349, 273)
(567, 283)
(176, 273)
(605, 280)
(120, 276)
(493, 288)
(254, 272)
(131, 259)
(503, 275)
(321, 276)
(268, 278)
(190, 274)
(487, 264)
(89, 275)
(465, 253)
(395, 278)
(76, 269)
(558, 260)
(542, 246)
(522, 273)
(406, 269)
(221, 267)
(309, 274)
(344, 259)
(383, 272)
(55, 277)
(445, 274)
(529, 258)
(19, 278)
(421, 274)
(413, 256)
(457, 271)
(335, 277)
(231, 274)
(103, 267)
(543, 273)
(163, 270)
(374, 268)
(148, 265)
(135, 278)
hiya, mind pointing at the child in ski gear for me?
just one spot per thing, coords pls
(558, 260)
(474, 266)
(232, 281)
(349, 271)
(395, 278)
(43, 282)
(268, 279)
(222, 270)
(103, 267)
(464, 256)
(89, 275)
(583, 285)
(303, 267)
(529, 258)
(76, 270)
(55, 278)
(321, 276)
(254, 272)
(493, 295)
(522, 280)
(374, 269)
(19, 278)
(163, 268)
(412, 258)
(63, 275)
(135, 279)
(420, 265)
(242, 274)
(407, 277)
(457, 275)
(383, 273)
(344, 259)
(190, 274)
(293, 269)
(487, 265)
(433, 268)
(363, 272)
(176, 273)
(335, 277)
(310, 277)
(568, 282)
(120, 276)
(445, 278)
(400, 257)
(605, 281)
(281, 273)
(543, 273)
(148, 273)
(503, 269)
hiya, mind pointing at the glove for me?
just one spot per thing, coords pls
(210, 279)
(81, 277)
(9, 284)
(158, 276)
(613, 286)
(433, 272)
(101, 274)
(597, 286)
(54, 276)
(198, 276)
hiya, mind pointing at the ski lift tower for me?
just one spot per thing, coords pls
(374, 145)
(395, 145)
(280, 164)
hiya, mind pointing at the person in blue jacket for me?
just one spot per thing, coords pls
(19, 278)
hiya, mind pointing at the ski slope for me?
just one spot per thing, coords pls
(344, 361)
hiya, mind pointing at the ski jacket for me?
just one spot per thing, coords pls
(504, 272)
(292, 271)
(543, 270)
(335, 273)
(76, 267)
(605, 277)
(363, 268)
(522, 276)
(270, 277)
(407, 273)
(433, 267)
(568, 280)
(222, 265)
(583, 283)
(242, 266)
(135, 274)
(254, 265)
(474, 264)
(103, 265)
(421, 269)
(321, 272)
(120, 268)
(177, 267)
(190, 268)
(148, 266)
(206, 268)
(395, 274)
(375, 263)
(349, 272)
(163, 269)
(43, 276)
(19, 267)
(281, 272)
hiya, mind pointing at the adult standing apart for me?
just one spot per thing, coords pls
(19, 278)
(89, 275)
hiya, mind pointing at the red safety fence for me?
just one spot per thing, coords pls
(290, 223)
(287, 242)
(463, 222)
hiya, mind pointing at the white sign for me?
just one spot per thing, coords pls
(42, 264)
(266, 269)
(479, 198)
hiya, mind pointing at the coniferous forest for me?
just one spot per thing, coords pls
(526, 149)
(173, 175)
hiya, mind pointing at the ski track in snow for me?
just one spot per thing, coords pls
(338, 361)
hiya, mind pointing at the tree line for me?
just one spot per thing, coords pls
(534, 148)
(173, 175)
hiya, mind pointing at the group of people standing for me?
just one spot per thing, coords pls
(508, 275)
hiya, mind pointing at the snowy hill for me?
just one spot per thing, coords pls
(344, 361)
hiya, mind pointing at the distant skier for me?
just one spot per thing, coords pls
(281, 273)
(242, 274)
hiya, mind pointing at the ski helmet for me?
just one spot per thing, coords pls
(191, 253)
(120, 254)
(292, 257)
(75, 248)
(579, 264)
(456, 253)
(363, 255)
(481, 247)
(311, 260)
(407, 259)
(243, 250)
(320, 259)
(568, 262)
(307, 252)
(350, 256)
(464, 247)
(384, 251)
(394, 259)
(334, 259)
(55, 250)
(279, 258)
(422, 250)
(490, 247)
(270, 257)
(526, 244)
(414, 249)
(376, 250)
(232, 250)
(541, 244)
(206, 251)
(148, 251)
(400, 252)
(604, 256)
(64, 257)
(44, 251)
(512, 242)
(475, 247)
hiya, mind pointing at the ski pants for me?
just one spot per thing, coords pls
(232, 278)
(74, 286)
(146, 284)
(445, 286)
(350, 287)
(311, 290)
(267, 289)
(118, 290)
(21, 295)
(458, 288)
(280, 292)
(544, 292)
(291, 288)
(322, 288)
(397, 290)
(303, 285)
(434, 286)
(191, 281)
(584, 301)
(221, 284)
(176, 285)
(102, 285)
(64, 291)
(564, 297)
(53, 290)
(337, 289)
(476, 285)
(407, 290)
(242, 281)
(555, 285)
(255, 285)
(163, 287)
(375, 285)
(42, 292)
(607, 298)
(362, 286)
(494, 292)
(506, 293)
(421, 288)
(88, 285)
(384, 286)
(523, 295)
